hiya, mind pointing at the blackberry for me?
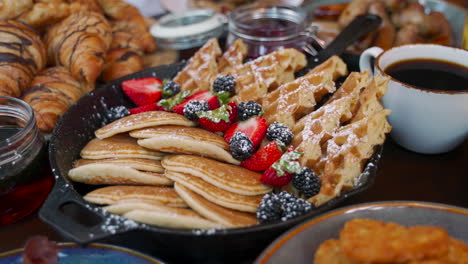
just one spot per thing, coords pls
(307, 182)
(281, 207)
(279, 131)
(241, 146)
(269, 209)
(193, 107)
(225, 83)
(170, 88)
(293, 206)
(249, 109)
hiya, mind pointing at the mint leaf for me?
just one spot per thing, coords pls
(223, 97)
(169, 103)
(221, 113)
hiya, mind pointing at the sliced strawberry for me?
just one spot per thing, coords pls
(283, 170)
(143, 91)
(255, 128)
(206, 96)
(270, 177)
(264, 157)
(145, 108)
(220, 119)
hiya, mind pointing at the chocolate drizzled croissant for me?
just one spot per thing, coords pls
(121, 62)
(52, 93)
(80, 43)
(10, 9)
(22, 55)
(128, 18)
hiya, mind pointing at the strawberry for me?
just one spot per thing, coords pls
(143, 91)
(270, 177)
(206, 96)
(255, 128)
(283, 170)
(264, 157)
(145, 108)
(220, 119)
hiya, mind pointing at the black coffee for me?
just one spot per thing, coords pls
(430, 74)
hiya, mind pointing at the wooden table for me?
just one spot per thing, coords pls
(402, 175)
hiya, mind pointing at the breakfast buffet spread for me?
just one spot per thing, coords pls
(230, 140)
(212, 148)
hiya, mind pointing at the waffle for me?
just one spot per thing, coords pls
(347, 152)
(295, 99)
(314, 129)
(201, 69)
(233, 57)
(256, 78)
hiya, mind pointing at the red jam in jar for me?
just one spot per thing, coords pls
(25, 180)
(266, 28)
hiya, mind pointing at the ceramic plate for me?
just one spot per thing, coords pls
(92, 254)
(299, 245)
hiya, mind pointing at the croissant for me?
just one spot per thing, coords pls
(129, 19)
(44, 14)
(121, 62)
(80, 43)
(10, 9)
(52, 93)
(22, 55)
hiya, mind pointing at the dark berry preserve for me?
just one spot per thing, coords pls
(266, 28)
(25, 179)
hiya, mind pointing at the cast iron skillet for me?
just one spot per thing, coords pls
(81, 222)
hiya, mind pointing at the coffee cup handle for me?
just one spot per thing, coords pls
(366, 58)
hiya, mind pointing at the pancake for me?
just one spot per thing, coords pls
(148, 194)
(216, 195)
(118, 146)
(214, 212)
(142, 120)
(98, 174)
(228, 177)
(175, 217)
(190, 140)
(190, 132)
(137, 164)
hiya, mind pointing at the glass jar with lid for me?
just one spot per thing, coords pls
(268, 27)
(24, 178)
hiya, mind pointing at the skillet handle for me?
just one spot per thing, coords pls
(359, 27)
(67, 212)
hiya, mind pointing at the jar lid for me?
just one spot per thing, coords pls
(189, 29)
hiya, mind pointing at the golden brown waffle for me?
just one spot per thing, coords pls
(311, 131)
(256, 78)
(201, 69)
(295, 99)
(233, 57)
(347, 152)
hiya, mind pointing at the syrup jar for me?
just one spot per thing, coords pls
(266, 27)
(24, 179)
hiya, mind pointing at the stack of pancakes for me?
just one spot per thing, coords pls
(159, 177)
(167, 172)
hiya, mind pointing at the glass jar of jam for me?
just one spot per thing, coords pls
(25, 179)
(267, 27)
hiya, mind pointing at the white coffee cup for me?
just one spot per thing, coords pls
(423, 120)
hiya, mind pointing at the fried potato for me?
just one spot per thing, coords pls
(330, 252)
(368, 241)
